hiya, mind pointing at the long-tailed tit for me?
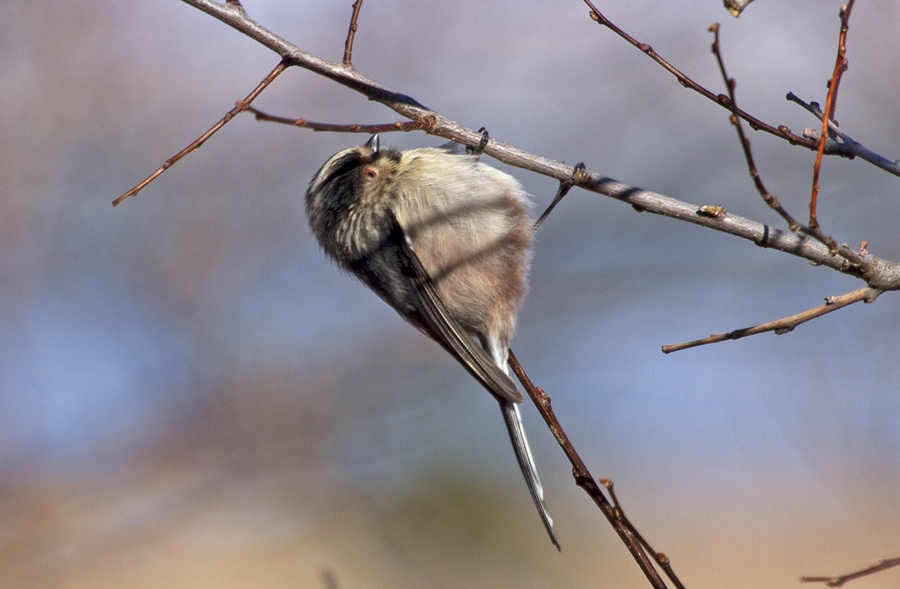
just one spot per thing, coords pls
(446, 241)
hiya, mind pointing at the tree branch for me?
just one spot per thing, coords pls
(785, 325)
(339, 128)
(839, 580)
(847, 150)
(584, 479)
(880, 274)
(840, 66)
(856, 148)
(351, 33)
(240, 107)
(735, 119)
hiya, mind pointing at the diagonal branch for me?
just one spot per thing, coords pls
(858, 149)
(756, 124)
(584, 479)
(730, 85)
(839, 580)
(784, 325)
(339, 128)
(846, 149)
(240, 107)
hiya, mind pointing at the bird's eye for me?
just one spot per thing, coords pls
(370, 172)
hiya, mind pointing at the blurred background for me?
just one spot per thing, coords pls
(191, 395)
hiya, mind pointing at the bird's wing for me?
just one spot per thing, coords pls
(437, 322)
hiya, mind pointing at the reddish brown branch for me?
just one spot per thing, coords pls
(584, 479)
(840, 66)
(240, 107)
(419, 125)
(786, 324)
(837, 581)
(351, 33)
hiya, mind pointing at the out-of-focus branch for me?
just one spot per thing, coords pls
(839, 580)
(784, 325)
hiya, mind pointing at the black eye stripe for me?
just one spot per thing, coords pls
(345, 164)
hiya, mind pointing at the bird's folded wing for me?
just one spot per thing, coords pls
(440, 324)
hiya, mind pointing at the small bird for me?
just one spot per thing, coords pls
(445, 240)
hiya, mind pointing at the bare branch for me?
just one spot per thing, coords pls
(773, 202)
(781, 131)
(585, 480)
(786, 324)
(856, 148)
(837, 581)
(840, 66)
(339, 128)
(661, 559)
(240, 107)
(348, 45)
(578, 176)
(735, 119)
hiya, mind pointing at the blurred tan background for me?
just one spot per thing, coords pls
(192, 396)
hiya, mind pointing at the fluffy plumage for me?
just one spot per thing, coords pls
(446, 241)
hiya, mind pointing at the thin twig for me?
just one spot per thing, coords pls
(585, 480)
(771, 200)
(240, 107)
(578, 176)
(840, 66)
(854, 148)
(837, 581)
(786, 324)
(848, 150)
(661, 559)
(339, 128)
(735, 119)
(351, 33)
(756, 124)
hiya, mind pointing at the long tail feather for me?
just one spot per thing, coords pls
(526, 463)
